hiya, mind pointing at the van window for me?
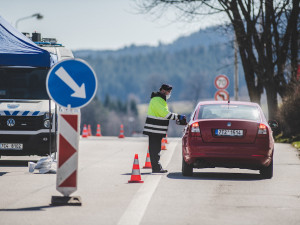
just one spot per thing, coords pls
(23, 83)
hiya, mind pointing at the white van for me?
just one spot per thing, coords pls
(26, 126)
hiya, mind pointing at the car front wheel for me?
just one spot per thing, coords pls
(187, 170)
(267, 172)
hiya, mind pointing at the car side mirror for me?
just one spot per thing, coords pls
(273, 124)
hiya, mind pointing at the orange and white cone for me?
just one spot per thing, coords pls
(98, 133)
(84, 132)
(121, 131)
(163, 144)
(89, 130)
(148, 162)
(166, 140)
(136, 174)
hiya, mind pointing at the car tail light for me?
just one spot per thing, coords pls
(262, 129)
(195, 130)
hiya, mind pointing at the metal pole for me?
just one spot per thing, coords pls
(55, 136)
(23, 18)
(236, 75)
(37, 15)
(50, 119)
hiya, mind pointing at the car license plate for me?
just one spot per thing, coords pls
(226, 132)
(11, 146)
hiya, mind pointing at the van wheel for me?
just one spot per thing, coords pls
(267, 172)
(187, 169)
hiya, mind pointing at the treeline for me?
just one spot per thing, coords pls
(127, 77)
(191, 72)
(110, 114)
(116, 105)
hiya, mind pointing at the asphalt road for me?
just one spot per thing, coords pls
(212, 196)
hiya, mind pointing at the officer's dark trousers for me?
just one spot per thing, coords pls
(154, 150)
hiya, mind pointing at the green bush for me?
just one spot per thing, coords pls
(289, 113)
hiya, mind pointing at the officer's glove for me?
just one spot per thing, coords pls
(181, 120)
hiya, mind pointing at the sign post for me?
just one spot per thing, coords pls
(72, 84)
(298, 73)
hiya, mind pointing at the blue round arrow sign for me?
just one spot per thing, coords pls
(71, 82)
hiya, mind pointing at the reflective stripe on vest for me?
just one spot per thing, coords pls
(156, 125)
(154, 131)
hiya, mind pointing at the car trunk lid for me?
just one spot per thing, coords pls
(228, 131)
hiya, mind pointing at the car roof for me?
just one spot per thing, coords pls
(233, 103)
(226, 102)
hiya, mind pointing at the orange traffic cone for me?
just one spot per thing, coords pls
(136, 175)
(121, 131)
(89, 130)
(98, 134)
(166, 140)
(148, 162)
(84, 132)
(163, 145)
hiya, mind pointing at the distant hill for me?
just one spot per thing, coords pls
(190, 64)
(206, 37)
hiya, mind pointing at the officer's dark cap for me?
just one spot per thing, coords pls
(166, 87)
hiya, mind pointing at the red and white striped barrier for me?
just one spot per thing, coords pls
(68, 143)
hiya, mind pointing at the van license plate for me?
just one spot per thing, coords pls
(11, 146)
(227, 132)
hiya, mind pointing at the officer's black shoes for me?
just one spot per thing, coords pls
(159, 171)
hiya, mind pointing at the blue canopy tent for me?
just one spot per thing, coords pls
(18, 50)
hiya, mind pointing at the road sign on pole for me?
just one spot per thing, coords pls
(221, 95)
(72, 84)
(221, 82)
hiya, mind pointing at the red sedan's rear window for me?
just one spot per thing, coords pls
(229, 111)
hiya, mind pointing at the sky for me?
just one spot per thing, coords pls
(99, 24)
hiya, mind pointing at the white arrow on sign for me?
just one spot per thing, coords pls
(79, 92)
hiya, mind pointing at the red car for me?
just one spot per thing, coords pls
(230, 135)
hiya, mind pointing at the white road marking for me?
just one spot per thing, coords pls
(137, 207)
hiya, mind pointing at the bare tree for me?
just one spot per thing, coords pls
(267, 33)
(197, 85)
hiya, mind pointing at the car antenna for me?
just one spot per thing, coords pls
(228, 100)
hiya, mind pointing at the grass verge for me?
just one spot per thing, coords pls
(296, 144)
(294, 140)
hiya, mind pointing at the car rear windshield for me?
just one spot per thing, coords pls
(229, 111)
(23, 83)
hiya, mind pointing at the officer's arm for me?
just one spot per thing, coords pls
(164, 112)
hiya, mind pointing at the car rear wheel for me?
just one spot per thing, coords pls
(187, 170)
(267, 172)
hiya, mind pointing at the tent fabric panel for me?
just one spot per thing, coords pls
(32, 60)
(18, 50)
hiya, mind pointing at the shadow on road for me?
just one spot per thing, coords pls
(141, 173)
(216, 176)
(37, 208)
(3, 173)
(15, 163)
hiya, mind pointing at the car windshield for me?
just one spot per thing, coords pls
(23, 83)
(229, 111)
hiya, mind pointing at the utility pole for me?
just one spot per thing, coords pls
(236, 74)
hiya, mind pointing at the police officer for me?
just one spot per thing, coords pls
(157, 123)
